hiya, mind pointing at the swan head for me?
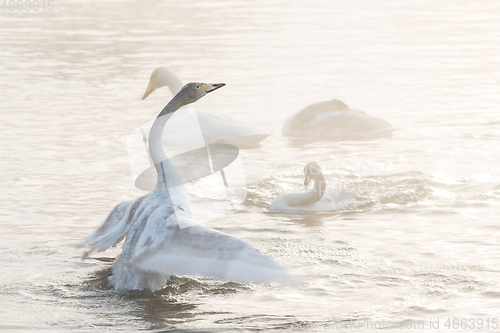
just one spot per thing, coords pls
(193, 91)
(163, 77)
(312, 171)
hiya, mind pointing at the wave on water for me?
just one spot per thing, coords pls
(379, 191)
(176, 285)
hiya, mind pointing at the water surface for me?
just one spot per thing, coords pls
(421, 240)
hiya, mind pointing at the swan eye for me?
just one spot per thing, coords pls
(197, 86)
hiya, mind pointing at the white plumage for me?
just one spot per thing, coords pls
(334, 120)
(316, 199)
(334, 198)
(216, 128)
(161, 238)
(155, 247)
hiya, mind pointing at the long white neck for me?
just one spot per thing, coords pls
(168, 176)
(310, 197)
(171, 81)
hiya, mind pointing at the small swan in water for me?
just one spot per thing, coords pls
(334, 120)
(216, 128)
(162, 239)
(319, 199)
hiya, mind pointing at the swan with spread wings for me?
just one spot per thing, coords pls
(160, 236)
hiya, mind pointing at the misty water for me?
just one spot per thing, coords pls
(420, 243)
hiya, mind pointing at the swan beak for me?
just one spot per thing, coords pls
(148, 91)
(214, 86)
(307, 180)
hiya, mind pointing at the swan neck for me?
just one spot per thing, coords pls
(172, 81)
(319, 186)
(164, 168)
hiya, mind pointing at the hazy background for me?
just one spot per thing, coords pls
(420, 242)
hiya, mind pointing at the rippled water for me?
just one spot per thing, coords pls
(421, 240)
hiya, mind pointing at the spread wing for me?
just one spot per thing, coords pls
(198, 250)
(115, 228)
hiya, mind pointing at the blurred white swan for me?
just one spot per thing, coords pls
(320, 198)
(334, 120)
(162, 239)
(216, 128)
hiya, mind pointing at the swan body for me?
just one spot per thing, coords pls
(160, 236)
(334, 120)
(334, 198)
(319, 198)
(216, 128)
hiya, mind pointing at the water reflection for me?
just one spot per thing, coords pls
(310, 220)
(167, 307)
(71, 86)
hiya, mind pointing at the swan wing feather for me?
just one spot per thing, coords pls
(197, 250)
(115, 228)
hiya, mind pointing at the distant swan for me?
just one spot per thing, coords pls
(162, 239)
(319, 198)
(216, 128)
(333, 120)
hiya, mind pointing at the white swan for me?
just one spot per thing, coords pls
(334, 120)
(319, 198)
(216, 128)
(162, 239)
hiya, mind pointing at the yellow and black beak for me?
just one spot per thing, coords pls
(148, 91)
